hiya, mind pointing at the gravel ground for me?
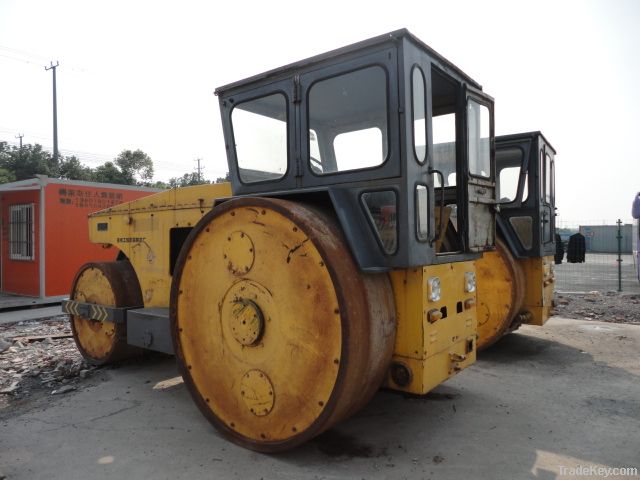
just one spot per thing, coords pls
(49, 364)
(605, 307)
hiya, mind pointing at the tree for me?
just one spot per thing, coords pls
(71, 169)
(109, 173)
(6, 176)
(26, 162)
(187, 180)
(135, 167)
(226, 178)
(128, 168)
(160, 184)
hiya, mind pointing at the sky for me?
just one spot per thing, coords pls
(141, 74)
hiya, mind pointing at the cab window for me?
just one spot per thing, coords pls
(444, 94)
(478, 134)
(548, 180)
(348, 121)
(509, 163)
(419, 124)
(260, 136)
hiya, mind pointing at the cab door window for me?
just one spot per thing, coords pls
(479, 147)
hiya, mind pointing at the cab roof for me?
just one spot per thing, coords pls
(391, 37)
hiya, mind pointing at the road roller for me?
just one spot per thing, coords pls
(339, 258)
(516, 280)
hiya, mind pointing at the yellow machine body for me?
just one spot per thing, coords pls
(435, 339)
(512, 292)
(540, 281)
(141, 230)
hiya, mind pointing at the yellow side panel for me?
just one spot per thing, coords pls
(433, 352)
(141, 229)
(540, 281)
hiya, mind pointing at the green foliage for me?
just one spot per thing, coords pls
(6, 176)
(135, 167)
(128, 168)
(159, 184)
(226, 178)
(70, 168)
(187, 180)
(26, 162)
(109, 173)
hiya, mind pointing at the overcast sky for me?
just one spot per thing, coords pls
(141, 75)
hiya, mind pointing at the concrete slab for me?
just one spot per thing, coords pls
(15, 316)
(541, 402)
(11, 301)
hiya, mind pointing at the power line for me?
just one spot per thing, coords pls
(33, 59)
(23, 53)
(29, 134)
(21, 60)
(22, 56)
(84, 156)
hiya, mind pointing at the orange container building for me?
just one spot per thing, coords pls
(44, 236)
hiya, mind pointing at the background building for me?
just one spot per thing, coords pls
(44, 236)
(604, 238)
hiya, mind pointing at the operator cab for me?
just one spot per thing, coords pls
(392, 136)
(525, 168)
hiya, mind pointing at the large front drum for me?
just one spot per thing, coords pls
(277, 333)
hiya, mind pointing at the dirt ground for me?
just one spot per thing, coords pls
(539, 402)
(47, 362)
(38, 358)
(606, 307)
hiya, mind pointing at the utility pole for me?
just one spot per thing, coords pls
(199, 170)
(55, 112)
(19, 136)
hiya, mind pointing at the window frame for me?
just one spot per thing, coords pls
(523, 179)
(256, 96)
(549, 197)
(371, 221)
(387, 58)
(428, 236)
(386, 134)
(492, 167)
(414, 68)
(27, 238)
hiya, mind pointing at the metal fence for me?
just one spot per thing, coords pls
(610, 262)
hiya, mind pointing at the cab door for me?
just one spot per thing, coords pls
(480, 173)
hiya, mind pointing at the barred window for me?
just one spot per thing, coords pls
(21, 232)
